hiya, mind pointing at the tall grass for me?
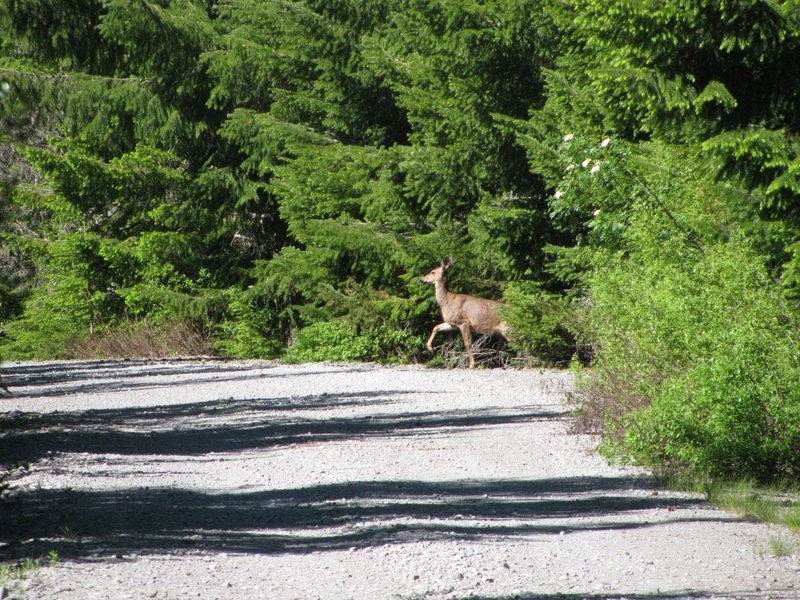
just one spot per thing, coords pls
(775, 503)
(143, 339)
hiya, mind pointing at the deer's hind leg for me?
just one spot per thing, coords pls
(466, 333)
(504, 329)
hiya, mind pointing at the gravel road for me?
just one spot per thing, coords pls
(240, 480)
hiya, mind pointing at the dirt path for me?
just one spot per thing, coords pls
(257, 480)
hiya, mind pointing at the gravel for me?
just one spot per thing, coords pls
(231, 480)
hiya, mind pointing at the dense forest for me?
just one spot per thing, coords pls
(271, 178)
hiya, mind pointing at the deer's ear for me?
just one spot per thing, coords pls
(447, 262)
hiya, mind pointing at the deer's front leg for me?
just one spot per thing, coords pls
(437, 329)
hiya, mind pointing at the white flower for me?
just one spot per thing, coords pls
(595, 168)
(558, 194)
(568, 137)
(605, 142)
(596, 213)
(585, 163)
(570, 167)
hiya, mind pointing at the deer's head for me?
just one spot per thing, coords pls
(439, 273)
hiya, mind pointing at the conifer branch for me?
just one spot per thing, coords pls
(690, 237)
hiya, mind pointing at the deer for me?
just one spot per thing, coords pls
(469, 314)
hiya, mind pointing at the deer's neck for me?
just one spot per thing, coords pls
(442, 295)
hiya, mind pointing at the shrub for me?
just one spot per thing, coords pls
(244, 332)
(698, 362)
(339, 340)
(538, 321)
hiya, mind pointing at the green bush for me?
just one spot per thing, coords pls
(340, 341)
(698, 363)
(67, 304)
(539, 320)
(46, 326)
(244, 333)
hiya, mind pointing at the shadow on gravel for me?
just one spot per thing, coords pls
(93, 524)
(229, 425)
(114, 524)
(102, 376)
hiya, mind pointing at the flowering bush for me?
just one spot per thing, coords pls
(695, 349)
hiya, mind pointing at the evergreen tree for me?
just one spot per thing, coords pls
(428, 169)
(131, 202)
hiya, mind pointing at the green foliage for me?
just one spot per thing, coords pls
(777, 502)
(698, 352)
(331, 151)
(247, 328)
(339, 341)
(67, 303)
(669, 151)
(678, 70)
(540, 322)
(707, 348)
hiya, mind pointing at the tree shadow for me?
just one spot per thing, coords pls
(92, 524)
(53, 379)
(230, 425)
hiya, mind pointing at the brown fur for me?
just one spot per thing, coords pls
(469, 314)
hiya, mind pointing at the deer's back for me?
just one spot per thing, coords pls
(481, 314)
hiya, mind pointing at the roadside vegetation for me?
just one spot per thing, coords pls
(13, 577)
(259, 178)
(776, 503)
